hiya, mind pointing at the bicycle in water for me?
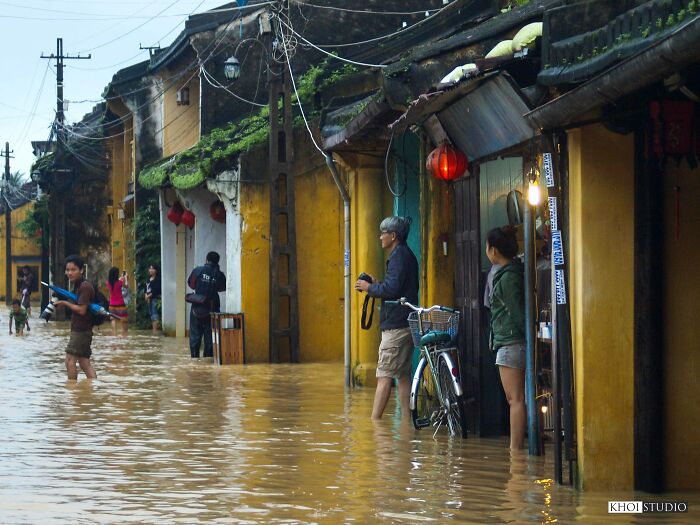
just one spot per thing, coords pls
(436, 393)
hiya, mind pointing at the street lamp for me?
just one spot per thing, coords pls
(232, 68)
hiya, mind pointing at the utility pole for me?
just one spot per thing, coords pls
(8, 227)
(57, 206)
(284, 304)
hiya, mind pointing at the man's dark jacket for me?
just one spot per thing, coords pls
(400, 280)
(208, 280)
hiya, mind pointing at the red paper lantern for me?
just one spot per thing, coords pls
(174, 214)
(446, 163)
(188, 219)
(217, 210)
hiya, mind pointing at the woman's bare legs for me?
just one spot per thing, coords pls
(513, 381)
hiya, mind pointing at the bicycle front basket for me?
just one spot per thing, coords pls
(435, 320)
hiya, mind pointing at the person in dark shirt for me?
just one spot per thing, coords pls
(396, 348)
(152, 295)
(78, 351)
(206, 281)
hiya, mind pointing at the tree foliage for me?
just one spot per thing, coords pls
(146, 252)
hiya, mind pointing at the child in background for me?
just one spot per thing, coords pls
(19, 315)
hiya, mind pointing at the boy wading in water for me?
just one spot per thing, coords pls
(19, 316)
(78, 351)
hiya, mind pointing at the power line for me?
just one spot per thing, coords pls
(365, 11)
(294, 85)
(328, 53)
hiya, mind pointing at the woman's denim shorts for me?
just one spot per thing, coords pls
(153, 310)
(512, 356)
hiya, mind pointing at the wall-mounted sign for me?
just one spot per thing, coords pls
(548, 169)
(561, 287)
(557, 248)
(553, 215)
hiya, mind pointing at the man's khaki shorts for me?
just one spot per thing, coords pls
(79, 344)
(395, 353)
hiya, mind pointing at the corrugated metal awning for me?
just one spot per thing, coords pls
(489, 119)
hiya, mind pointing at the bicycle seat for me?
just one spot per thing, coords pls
(435, 337)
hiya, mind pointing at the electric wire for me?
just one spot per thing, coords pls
(133, 29)
(216, 84)
(386, 170)
(384, 37)
(328, 53)
(301, 107)
(28, 124)
(364, 11)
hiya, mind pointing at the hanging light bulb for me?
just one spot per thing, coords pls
(534, 193)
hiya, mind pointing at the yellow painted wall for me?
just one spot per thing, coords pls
(682, 329)
(122, 156)
(22, 247)
(437, 269)
(368, 208)
(180, 122)
(319, 229)
(255, 269)
(601, 197)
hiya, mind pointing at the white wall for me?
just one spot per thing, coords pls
(168, 257)
(208, 235)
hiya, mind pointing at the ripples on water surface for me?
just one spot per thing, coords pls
(158, 438)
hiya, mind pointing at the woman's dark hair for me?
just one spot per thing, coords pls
(155, 267)
(77, 260)
(113, 275)
(503, 239)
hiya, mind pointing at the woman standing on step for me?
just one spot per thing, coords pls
(118, 287)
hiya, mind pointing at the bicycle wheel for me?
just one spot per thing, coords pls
(456, 419)
(424, 400)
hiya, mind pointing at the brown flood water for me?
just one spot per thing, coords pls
(158, 438)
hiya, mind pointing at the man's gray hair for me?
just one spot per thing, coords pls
(399, 225)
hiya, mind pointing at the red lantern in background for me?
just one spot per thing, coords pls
(446, 163)
(217, 210)
(174, 214)
(188, 219)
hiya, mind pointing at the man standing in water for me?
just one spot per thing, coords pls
(206, 281)
(78, 351)
(396, 348)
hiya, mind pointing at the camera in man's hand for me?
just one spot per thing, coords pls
(364, 277)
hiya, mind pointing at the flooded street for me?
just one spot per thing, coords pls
(158, 438)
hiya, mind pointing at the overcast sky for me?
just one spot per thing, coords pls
(110, 30)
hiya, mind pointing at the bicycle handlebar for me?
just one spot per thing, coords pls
(404, 302)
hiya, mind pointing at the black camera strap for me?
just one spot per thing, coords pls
(364, 323)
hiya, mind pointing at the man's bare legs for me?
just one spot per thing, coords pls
(85, 364)
(381, 396)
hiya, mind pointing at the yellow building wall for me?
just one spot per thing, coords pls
(437, 269)
(681, 327)
(180, 121)
(122, 150)
(368, 208)
(23, 247)
(255, 269)
(319, 227)
(601, 193)
(319, 231)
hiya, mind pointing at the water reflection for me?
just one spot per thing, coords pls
(159, 438)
